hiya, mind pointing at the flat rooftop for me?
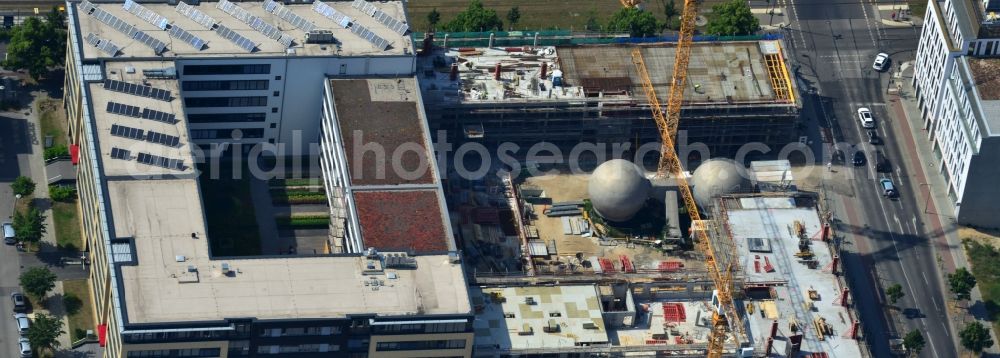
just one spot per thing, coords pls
(402, 220)
(216, 45)
(161, 215)
(986, 74)
(773, 264)
(719, 73)
(517, 317)
(383, 114)
(121, 125)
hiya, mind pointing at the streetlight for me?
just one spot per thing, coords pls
(14, 207)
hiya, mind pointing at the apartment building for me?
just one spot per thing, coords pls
(150, 85)
(955, 80)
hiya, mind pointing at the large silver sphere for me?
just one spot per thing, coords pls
(716, 177)
(618, 190)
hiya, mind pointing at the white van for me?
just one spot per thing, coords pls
(8, 234)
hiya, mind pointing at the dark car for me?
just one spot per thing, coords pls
(859, 158)
(873, 137)
(20, 304)
(882, 163)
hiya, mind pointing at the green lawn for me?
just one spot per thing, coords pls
(535, 15)
(53, 121)
(67, 223)
(83, 319)
(232, 225)
(917, 8)
(984, 260)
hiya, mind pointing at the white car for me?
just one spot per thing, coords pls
(25, 347)
(865, 116)
(880, 61)
(22, 322)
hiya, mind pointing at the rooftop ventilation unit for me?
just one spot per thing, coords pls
(320, 37)
(165, 73)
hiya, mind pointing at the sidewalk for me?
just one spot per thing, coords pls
(939, 220)
(897, 15)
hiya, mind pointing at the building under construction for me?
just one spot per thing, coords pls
(738, 93)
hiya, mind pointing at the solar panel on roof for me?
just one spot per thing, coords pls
(86, 6)
(235, 38)
(163, 139)
(179, 33)
(104, 45)
(158, 116)
(153, 43)
(382, 17)
(286, 14)
(255, 22)
(138, 90)
(155, 160)
(127, 132)
(123, 27)
(194, 14)
(123, 109)
(146, 14)
(118, 153)
(331, 13)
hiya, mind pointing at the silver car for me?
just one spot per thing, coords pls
(22, 322)
(880, 61)
(25, 347)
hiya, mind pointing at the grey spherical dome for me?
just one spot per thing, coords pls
(716, 177)
(618, 189)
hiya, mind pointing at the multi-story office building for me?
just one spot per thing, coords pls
(955, 80)
(148, 84)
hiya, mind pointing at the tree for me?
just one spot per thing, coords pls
(894, 293)
(56, 151)
(669, 12)
(30, 225)
(636, 22)
(37, 45)
(23, 186)
(975, 337)
(513, 16)
(475, 18)
(433, 18)
(45, 331)
(961, 283)
(38, 281)
(732, 18)
(914, 342)
(64, 193)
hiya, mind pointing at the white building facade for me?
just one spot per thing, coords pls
(954, 58)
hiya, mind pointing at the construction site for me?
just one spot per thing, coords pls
(560, 266)
(737, 92)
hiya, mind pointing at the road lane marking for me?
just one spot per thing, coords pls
(925, 278)
(795, 19)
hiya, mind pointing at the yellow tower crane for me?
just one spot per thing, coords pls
(725, 315)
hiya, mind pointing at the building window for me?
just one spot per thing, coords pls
(247, 133)
(274, 125)
(343, 69)
(251, 101)
(185, 353)
(248, 69)
(234, 85)
(420, 345)
(277, 78)
(225, 117)
(277, 93)
(274, 109)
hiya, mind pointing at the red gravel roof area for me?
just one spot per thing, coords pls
(390, 124)
(986, 73)
(401, 220)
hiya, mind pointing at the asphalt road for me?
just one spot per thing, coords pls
(13, 147)
(834, 44)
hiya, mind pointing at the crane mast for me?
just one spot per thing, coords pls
(666, 123)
